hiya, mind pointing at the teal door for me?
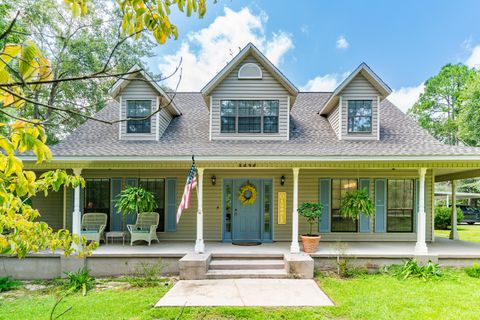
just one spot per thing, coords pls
(247, 218)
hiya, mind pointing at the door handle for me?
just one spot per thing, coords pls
(235, 211)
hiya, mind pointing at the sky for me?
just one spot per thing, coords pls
(316, 44)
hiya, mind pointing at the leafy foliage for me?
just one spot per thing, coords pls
(356, 202)
(473, 271)
(80, 280)
(7, 283)
(148, 275)
(443, 217)
(135, 200)
(411, 269)
(311, 211)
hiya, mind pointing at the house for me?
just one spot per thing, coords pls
(251, 126)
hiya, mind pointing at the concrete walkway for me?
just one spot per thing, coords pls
(246, 292)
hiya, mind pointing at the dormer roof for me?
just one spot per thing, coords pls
(371, 77)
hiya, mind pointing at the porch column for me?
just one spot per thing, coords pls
(77, 213)
(421, 245)
(199, 244)
(454, 232)
(294, 248)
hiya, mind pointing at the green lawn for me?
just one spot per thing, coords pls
(465, 232)
(364, 297)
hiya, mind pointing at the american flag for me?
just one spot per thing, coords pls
(187, 192)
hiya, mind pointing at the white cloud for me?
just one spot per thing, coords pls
(342, 43)
(207, 51)
(321, 83)
(473, 61)
(405, 97)
(305, 29)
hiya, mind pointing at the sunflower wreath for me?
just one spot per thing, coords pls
(247, 194)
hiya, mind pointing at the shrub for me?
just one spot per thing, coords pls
(411, 269)
(443, 217)
(80, 280)
(148, 275)
(7, 283)
(311, 211)
(473, 271)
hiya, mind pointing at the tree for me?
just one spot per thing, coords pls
(26, 69)
(439, 107)
(469, 130)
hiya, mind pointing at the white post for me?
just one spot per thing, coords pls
(199, 244)
(294, 248)
(421, 245)
(77, 213)
(454, 231)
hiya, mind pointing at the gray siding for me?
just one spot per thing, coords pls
(50, 208)
(334, 119)
(359, 89)
(138, 90)
(266, 88)
(164, 118)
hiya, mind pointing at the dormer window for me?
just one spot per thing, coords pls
(139, 109)
(249, 116)
(359, 116)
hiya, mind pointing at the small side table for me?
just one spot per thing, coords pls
(115, 234)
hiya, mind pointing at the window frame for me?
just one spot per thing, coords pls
(164, 201)
(387, 209)
(149, 120)
(332, 209)
(350, 130)
(262, 116)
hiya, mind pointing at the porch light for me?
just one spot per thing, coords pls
(214, 180)
(282, 180)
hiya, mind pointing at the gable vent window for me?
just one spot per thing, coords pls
(250, 71)
(359, 116)
(138, 109)
(249, 116)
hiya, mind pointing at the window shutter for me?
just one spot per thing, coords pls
(171, 207)
(325, 200)
(380, 202)
(131, 218)
(364, 219)
(116, 216)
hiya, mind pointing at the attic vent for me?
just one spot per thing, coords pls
(250, 71)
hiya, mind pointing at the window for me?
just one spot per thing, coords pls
(249, 116)
(359, 116)
(400, 204)
(228, 205)
(97, 196)
(267, 194)
(157, 187)
(339, 188)
(138, 109)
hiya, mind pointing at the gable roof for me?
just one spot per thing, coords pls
(132, 73)
(311, 138)
(371, 77)
(249, 49)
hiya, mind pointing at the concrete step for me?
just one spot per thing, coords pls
(251, 255)
(251, 274)
(239, 264)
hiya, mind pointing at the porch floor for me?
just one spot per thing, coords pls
(443, 248)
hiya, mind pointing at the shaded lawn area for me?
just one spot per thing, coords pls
(465, 232)
(363, 297)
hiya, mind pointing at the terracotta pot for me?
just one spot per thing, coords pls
(310, 243)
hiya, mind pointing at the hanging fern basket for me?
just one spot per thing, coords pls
(355, 203)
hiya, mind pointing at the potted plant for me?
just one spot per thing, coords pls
(356, 202)
(311, 211)
(135, 200)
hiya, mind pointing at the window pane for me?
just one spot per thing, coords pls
(340, 187)
(227, 125)
(157, 187)
(359, 116)
(138, 109)
(400, 204)
(228, 207)
(266, 206)
(270, 124)
(249, 116)
(227, 119)
(249, 125)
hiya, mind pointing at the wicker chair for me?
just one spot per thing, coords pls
(93, 226)
(145, 228)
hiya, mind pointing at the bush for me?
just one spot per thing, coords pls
(473, 271)
(411, 269)
(80, 280)
(148, 275)
(443, 217)
(7, 283)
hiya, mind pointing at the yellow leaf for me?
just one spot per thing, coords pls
(10, 51)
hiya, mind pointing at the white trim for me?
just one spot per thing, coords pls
(157, 120)
(421, 245)
(258, 158)
(199, 244)
(249, 64)
(340, 112)
(378, 117)
(294, 247)
(211, 119)
(288, 117)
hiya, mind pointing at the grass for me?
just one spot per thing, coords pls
(465, 232)
(364, 297)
